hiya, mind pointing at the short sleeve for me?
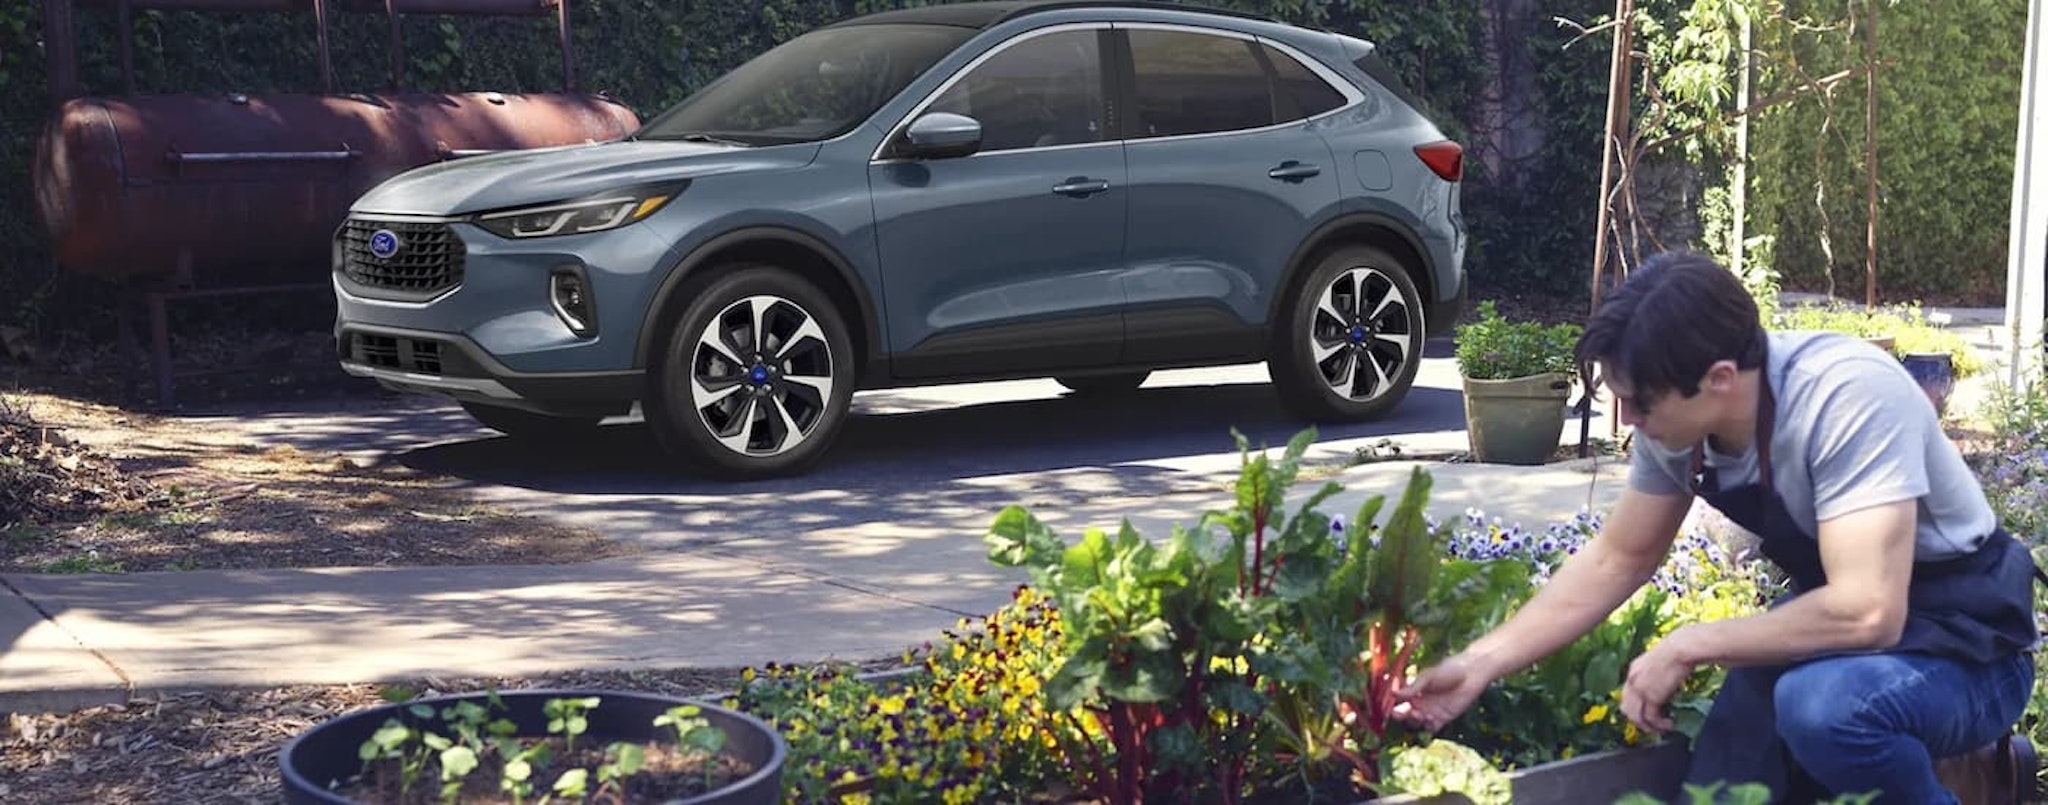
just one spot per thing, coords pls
(1869, 441)
(1653, 471)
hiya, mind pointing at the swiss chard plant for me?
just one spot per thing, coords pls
(1251, 636)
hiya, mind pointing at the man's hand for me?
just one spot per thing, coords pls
(1439, 695)
(1652, 680)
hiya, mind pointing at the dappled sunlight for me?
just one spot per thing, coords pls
(681, 610)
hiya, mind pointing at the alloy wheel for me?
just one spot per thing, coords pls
(1359, 336)
(761, 376)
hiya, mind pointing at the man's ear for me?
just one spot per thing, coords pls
(1721, 376)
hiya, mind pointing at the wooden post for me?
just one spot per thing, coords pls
(397, 47)
(60, 50)
(124, 33)
(2026, 305)
(1739, 202)
(1618, 89)
(326, 62)
(562, 32)
(1870, 157)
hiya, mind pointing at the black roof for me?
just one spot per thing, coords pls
(984, 13)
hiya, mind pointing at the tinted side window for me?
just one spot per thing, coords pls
(1041, 91)
(1300, 92)
(1191, 83)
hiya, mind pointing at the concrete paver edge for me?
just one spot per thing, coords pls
(57, 699)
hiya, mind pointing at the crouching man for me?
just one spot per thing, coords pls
(1907, 640)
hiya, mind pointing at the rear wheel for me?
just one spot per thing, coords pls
(1348, 345)
(756, 376)
(519, 423)
(1103, 384)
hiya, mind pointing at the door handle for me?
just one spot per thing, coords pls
(1292, 171)
(1081, 186)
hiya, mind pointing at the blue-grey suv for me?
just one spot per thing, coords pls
(1088, 191)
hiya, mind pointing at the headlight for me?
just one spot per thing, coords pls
(598, 214)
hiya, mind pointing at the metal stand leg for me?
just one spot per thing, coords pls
(160, 351)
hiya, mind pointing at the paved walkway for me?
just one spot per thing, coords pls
(849, 593)
(711, 593)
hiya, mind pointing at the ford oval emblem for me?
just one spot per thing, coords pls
(384, 244)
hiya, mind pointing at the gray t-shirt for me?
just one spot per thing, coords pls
(1853, 430)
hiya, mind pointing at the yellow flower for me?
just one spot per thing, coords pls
(747, 674)
(1595, 713)
(1629, 735)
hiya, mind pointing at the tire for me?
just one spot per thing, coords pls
(745, 433)
(522, 424)
(1316, 348)
(1103, 384)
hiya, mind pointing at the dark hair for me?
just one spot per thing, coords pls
(1675, 315)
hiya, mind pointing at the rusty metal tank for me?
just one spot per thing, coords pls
(248, 189)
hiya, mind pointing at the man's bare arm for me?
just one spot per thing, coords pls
(1590, 584)
(1868, 557)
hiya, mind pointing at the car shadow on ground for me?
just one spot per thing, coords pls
(936, 445)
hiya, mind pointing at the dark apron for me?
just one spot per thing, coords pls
(1976, 608)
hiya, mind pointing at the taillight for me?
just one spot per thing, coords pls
(1446, 159)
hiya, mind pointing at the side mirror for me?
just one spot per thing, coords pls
(942, 135)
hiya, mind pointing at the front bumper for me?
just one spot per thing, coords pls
(476, 319)
(453, 366)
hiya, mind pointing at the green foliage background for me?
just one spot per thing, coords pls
(651, 53)
(1947, 117)
(1949, 111)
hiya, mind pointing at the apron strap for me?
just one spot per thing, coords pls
(1766, 426)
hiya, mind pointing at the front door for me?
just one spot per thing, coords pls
(1006, 261)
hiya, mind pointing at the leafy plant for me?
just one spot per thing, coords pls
(463, 738)
(1494, 348)
(1441, 767)
(1906, 323)
(1203, 661)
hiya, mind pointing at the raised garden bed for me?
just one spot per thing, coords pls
(1603, 777)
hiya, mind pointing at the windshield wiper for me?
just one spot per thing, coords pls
(701, 137)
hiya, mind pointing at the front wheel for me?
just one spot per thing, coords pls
(1347, 346)
(756, 377)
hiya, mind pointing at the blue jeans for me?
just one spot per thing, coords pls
(1858, 723)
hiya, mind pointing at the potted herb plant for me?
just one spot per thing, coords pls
(537, 745)
(1518, 380)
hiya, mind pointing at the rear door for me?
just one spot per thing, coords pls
(1227, 178)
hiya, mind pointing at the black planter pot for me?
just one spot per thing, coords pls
(327, 753)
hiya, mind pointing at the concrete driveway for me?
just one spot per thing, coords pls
(915, 478)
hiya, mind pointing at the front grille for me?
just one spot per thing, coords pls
(428, 260)
(416, 355)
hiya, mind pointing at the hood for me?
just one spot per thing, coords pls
(540, 175)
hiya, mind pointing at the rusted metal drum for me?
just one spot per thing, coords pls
(249, 189)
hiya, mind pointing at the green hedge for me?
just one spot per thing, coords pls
(1947, 119)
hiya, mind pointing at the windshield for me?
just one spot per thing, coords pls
(814, 87)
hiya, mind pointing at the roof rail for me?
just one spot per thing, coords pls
(1033, 6)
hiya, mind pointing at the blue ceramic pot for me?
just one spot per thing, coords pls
(1936, 374)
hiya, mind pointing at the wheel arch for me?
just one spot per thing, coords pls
(808, 256)
(1358, 229)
